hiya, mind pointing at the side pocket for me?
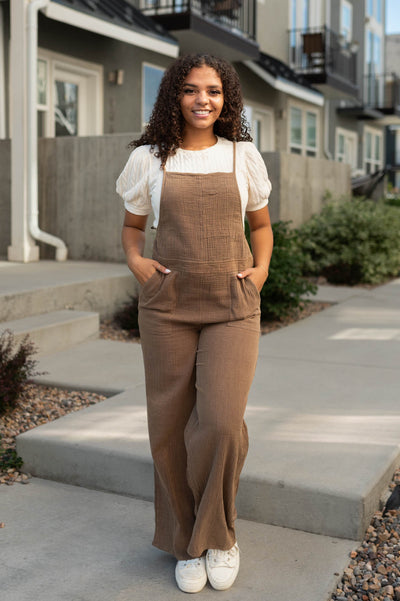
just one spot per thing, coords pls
(159, 292)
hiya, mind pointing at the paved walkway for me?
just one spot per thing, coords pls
(324, 423)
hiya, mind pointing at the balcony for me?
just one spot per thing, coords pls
(222, 27)
(382, 93)
(325, 59)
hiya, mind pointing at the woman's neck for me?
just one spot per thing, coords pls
(198, 140)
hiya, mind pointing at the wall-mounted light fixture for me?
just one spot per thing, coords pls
(116, 77)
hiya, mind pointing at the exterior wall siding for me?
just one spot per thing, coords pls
(122, 103)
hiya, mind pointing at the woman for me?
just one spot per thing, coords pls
(199, 314)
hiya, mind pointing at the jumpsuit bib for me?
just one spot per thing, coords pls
(199, 328)
(200, 238)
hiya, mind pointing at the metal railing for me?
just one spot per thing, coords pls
(320, 51)
(237, 15)
(382, 91)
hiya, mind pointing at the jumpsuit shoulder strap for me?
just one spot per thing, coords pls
(234, 157)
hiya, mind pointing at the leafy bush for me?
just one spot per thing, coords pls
(16, 367)
(285, 287)
(127, 316)
(352, 242)
(9, 459)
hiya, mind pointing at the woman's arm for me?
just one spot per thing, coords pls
(261, 238)
(133, 239)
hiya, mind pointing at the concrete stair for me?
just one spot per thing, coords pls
(47, 286)
(55, 331)
(322, 448)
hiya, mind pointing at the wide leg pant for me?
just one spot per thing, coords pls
(197, 381)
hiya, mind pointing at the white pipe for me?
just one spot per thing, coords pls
(2, 80)
(327, 152)
(32, 138)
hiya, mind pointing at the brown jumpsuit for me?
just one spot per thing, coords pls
(200, 327)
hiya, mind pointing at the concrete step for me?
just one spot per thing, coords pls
(55, 331)
(67, 543)
(323, 418)
(46, 286)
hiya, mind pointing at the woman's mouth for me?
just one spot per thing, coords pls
(201, 113)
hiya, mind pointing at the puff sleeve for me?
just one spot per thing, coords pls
(259, 185)
(133, 183)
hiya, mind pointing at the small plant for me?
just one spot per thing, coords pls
(352, 242)
(127, 317)
(9, 459)
(16, 367)
(285, 287)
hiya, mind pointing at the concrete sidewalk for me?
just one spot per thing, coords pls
(65, 543)
(323, 417)
(324, 423)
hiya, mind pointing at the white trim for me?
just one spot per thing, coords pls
(2, 79)
(254, 110)
(303, 146)
(288, 87)
(89, 23)
(350, 7)
(346, 133)
(90, 77)
(374, 162)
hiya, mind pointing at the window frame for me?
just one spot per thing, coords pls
(372, 164)
(152, 66)
(91, 95)
(348, 35)
(254, 110)
(348, 135)
(302, 148)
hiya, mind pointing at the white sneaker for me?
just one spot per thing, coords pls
(222, 567)
(191, 575)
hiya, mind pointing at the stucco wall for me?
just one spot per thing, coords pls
(77, 198)
(78, 202)
(300, 185)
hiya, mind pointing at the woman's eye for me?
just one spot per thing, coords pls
(215, 92)
(188, 91)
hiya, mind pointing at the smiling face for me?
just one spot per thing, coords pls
(202, 99)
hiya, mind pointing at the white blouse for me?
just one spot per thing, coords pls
(140, 182)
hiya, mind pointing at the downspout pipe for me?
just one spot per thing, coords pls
(327, 152)
(32, 138)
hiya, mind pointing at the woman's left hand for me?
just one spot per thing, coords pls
(257, 275)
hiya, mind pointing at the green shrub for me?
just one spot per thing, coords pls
(285, 287)
(9, 459)
(16, 367)
(127, 316)
(352, 242)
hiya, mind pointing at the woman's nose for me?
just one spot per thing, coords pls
(202, 97)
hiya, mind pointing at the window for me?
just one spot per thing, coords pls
(303, 132)
(370, 7)
(378, 13)
(261, 121)
(373, 144)
(69, 96)
(151, 79)
(347, 21)
(346, 147)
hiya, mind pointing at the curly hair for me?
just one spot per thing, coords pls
(165, 128)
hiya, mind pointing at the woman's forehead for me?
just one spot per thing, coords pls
(203, 74)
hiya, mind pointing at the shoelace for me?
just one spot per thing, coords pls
(222, 558)
(192, 563)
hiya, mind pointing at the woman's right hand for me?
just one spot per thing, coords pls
(143, 268)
